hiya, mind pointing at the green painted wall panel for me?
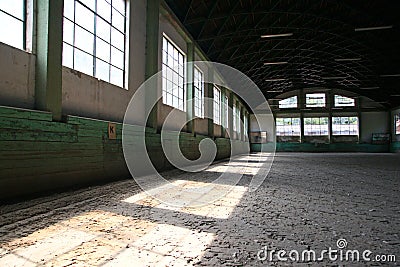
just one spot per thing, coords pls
(37, 154)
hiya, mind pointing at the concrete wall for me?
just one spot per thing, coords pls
(373, 122)
(17, 77)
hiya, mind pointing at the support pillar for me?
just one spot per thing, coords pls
(48, 76)
(210, 103)
(152, 52)
(190, 89)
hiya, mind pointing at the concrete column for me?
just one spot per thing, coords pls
(302, 105)
(330, 105)
(48, 77)
(190, 88)
(359, 120)
(210, 103)
(152, 52)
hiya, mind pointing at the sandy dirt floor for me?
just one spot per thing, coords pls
(308, 202)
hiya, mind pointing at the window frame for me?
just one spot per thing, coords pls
(217, 105)
(26, 29)
(336, 101)
(316, 104)
(397, 124)
(343, 132)
(291, 131)
(226, 105)
(198, 110)
(180, 106)
(316, 126)
(288, 105)
(95, 35)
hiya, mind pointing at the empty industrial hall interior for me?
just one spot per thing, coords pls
(199, 133)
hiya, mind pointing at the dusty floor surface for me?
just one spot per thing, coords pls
(307, 202)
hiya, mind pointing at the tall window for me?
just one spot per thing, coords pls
(236, 118)
(226, 108)
(173, 86)
(397, 123)
(343, 101)
(217, 105)
(345, 125)
(245, 125)
(13, 22)
(290, 102)
(95, 38)
(316, 126)
(288, 127)
(315, 100)
(198, 83)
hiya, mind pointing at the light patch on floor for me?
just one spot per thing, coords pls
(214, 201)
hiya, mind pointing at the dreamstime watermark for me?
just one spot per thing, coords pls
(339, 253)
(167, 125)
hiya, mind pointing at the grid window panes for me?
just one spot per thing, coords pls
(245, 125)
(95, 38)
(198, 83)
(288, 127)
(217, 105)
(290, 102)
(13, 23)
(236, 118)
(315, 100)
(173, 86)
(345, 125)
(343, 101)
(316, 126)
(397, 123)
(226, 108)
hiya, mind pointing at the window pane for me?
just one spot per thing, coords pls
(13, 7)
(69, 9)
(68, 55)
(84, 17)
(117, 76)
(315, 100)
(117, 39)
(68, 34)
(103, 29)
(104, 10)
(11, 31)
(118, 21)
(83, 62)
(119, 5)
(290, 102)
(102, 50)
(84, 40)
(90, 4)
(117, 58)
(102, 70)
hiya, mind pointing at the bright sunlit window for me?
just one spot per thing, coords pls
(95, 38)
(290, 102)
(397, 123)
(343, 101)
(345, 125)
(315, 100)
(226, 108)
(217, 105)
(198, 83)
(245, 125)
(173, 87)
(288, 127)
(13, 23)
(316, 126)
(236, 118)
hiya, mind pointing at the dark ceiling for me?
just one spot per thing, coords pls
(324, 49)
